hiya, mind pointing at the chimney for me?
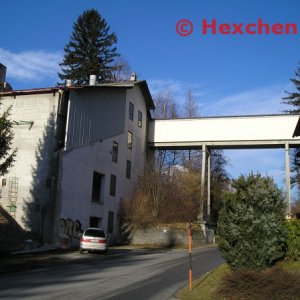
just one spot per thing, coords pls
(68, 82)
(2, 73)
(92, 80)
(133, 77)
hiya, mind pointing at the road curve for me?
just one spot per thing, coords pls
(121, 275)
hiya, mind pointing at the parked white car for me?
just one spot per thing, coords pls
(93, 239)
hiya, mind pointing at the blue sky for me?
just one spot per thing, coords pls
(228, 74)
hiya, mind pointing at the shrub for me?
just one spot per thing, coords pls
(274, 283)
(251, 223)
(293, 239)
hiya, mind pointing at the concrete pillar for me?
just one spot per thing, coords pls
(287, 178)
(203, 175)
(208, 183)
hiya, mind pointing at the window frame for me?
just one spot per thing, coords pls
(129, 140)
(140, 119)
(115, 152)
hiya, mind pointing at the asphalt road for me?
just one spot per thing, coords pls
(120, 275)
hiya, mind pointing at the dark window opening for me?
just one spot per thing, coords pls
(113, 183)
(95, 222)
(97, 183)
(131, 111)
(128, 169)
(110, 222)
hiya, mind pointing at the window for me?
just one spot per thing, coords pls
(115, 152)
(113, 183)
(95, 222)
(110, 222)
(3, 182)
(128, 169)
(129, 140)
(97, 183)
(140, 119)
(131, 111)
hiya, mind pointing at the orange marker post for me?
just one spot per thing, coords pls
(190, 258)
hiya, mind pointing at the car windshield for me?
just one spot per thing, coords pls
(95, 233)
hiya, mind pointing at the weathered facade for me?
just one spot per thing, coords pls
(80, 152)
(27, 191)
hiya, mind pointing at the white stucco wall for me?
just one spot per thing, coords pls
(78, 164)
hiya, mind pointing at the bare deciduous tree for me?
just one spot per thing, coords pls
(122, 70)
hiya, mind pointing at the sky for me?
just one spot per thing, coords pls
(228, 74)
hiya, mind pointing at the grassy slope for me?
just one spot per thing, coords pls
(205, 287)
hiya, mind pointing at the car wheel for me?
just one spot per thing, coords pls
(81, 251)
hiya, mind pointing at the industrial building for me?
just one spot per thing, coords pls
(80, 151)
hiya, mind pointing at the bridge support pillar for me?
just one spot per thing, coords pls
(287, 179)
(208, 184)
(206, 167)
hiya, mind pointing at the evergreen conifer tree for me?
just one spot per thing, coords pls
(251, 223)
(293, 99)
(7, 156)
(91, 50)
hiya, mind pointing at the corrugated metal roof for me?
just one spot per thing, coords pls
(124, 84)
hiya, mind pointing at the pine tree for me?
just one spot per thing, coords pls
(293, 99)
(7, 156)
(91, 50)
(251, 225)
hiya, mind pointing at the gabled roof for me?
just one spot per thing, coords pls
(125, 84)
(121, 84)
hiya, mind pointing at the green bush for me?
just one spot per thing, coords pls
(251, 223)
(293, 239)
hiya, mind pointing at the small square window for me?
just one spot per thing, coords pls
(129, 140)
(115, 152)
(128, 169)
(140, 119)
(131, 111)
(113, 184)
(95, 222)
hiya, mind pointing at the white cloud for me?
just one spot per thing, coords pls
(35, 65)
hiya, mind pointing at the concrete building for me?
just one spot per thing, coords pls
(80, 152)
